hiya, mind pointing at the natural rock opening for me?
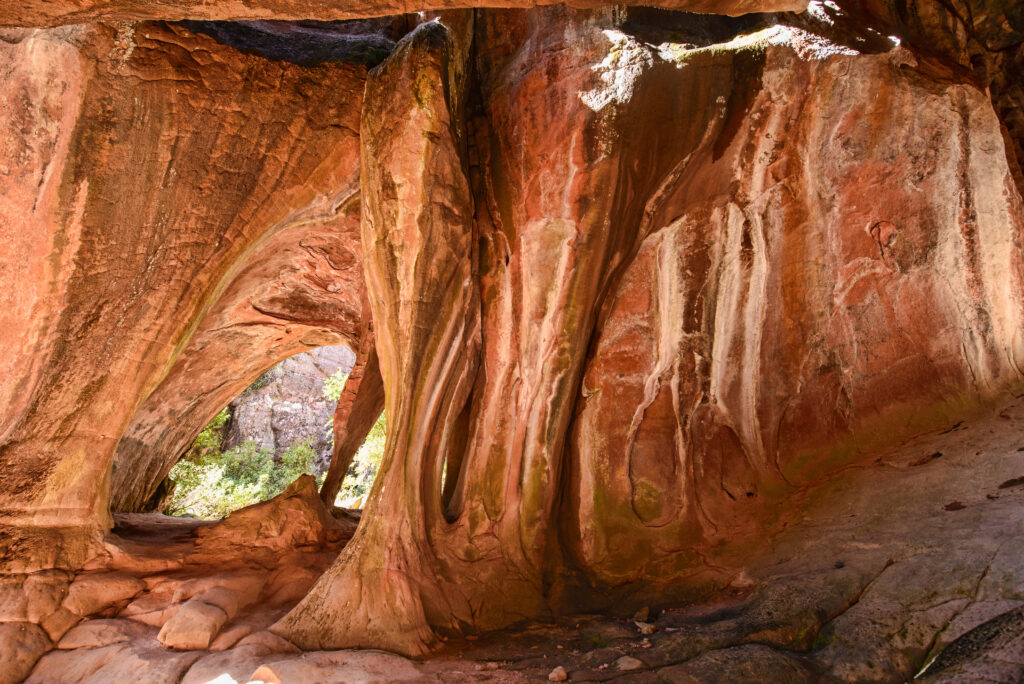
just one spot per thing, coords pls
(280, 427)
(710, 327)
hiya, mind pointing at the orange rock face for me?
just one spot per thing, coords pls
(644, 291)
(299, 287)
(776, 325)
(156, 188)
(708, 280)
(44, 13)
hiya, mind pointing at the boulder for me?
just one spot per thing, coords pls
(194, 626)
(23, 644)
(91, 593)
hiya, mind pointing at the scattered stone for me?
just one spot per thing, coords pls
(558, 675)
(626, 663)
(645, 628)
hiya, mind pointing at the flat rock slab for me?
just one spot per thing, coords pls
(143, 661)
(194, 626)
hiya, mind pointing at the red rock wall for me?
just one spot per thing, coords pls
(709, 279)
(638, 282)
(146, 166)
(843, 267)
(45, 13)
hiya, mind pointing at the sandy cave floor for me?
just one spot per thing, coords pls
(857, 590)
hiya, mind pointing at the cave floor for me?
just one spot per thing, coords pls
(917, 554)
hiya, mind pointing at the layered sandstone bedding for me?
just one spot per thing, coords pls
(700, 338)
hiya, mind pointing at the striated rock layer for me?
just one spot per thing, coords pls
(643, 291)
(50, 13)
(162, 191)
(709, 278)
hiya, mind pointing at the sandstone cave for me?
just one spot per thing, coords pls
(698, 326)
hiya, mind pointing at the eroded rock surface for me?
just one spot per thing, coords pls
(151, 167)
(661, 306)
(849, 592)
(44, 13)
(690, 316)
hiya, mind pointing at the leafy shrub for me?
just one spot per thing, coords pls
(210, 483)
(365, 464)
(209, 440)
(261, 381)
(334, 385)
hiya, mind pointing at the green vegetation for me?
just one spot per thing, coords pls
(209, 482)
(261, 382)
(365, 464)
(335, 384)
(363, 471)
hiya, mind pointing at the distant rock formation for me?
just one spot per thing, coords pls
(287, 404)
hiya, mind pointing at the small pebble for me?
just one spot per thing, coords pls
(626, 663)
(645, 628)
(558, 675)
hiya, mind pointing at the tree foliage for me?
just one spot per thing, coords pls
(210, 483)
(334, 384)
(363, 470)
